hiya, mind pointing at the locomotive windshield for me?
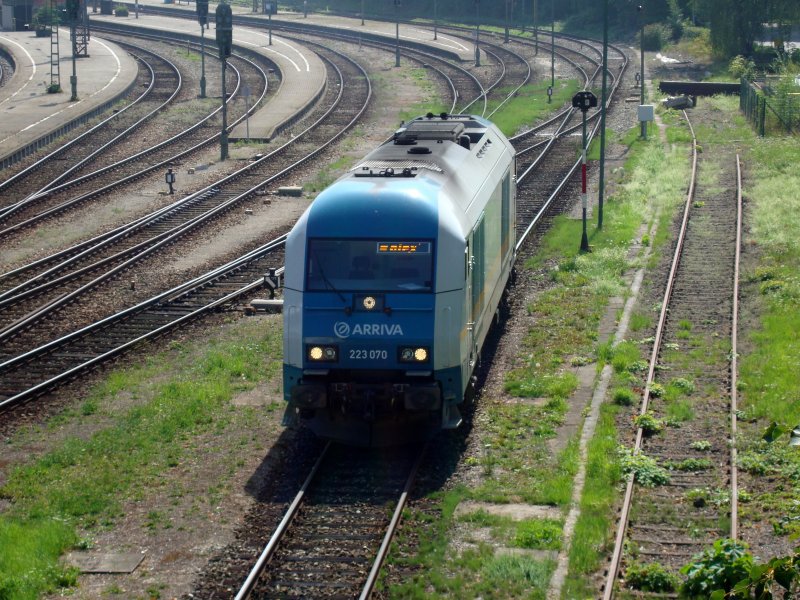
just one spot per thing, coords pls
(370, 265)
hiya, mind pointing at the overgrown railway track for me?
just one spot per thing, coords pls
(691, 357)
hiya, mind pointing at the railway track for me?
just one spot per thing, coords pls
(173, 147)
(668, 524)
(161, 83)
(29, 368)
(72, 355)
(89, 266)
(337, 530)
(56, 282)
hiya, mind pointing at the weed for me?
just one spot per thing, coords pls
(679, 411)
(702, 445)
(650, 577)
(540, 534)
(648, 423)
(689, 464)
(623, 396)
(656, 390)
(645, 469)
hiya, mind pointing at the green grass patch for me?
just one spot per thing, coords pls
(529, 104)
(85, 480)
(437, 571)
(591, 537)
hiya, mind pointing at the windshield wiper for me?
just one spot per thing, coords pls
(326, 280)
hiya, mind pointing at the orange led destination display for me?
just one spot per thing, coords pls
(404, 247)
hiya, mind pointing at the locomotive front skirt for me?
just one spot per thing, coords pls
(393, 277)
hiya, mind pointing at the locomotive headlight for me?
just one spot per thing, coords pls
(322, 353)
(369, 302)
(411, 354)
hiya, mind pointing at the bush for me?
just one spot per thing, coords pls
(651, 577)
(655, 37)
(718, 568)
(121, 10)
(742, 67)
(649, 424)
(45, 17)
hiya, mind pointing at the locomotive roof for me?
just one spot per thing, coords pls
(431, 162)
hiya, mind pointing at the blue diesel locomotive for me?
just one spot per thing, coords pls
(393, 276)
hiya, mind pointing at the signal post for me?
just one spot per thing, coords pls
(224, 19)
(73, 13)
(202, 17)
(584, 101)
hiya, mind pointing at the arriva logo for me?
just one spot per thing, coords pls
(343, 330)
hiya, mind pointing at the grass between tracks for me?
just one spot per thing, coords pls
(770, 354)
(145, 420)
(455, 556)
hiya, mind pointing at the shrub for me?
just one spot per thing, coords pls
(652, 577)
(649, 424)
(717, 568)
(45, 17)
(655, 37)
(742, 67)
(645, 470)
(121, 10)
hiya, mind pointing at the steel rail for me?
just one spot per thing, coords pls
(542, 211)
(234, 265)
(383, 551)
(148, 169)
(252, 578)
(175, 137)
(616, 557)
(127, 131)
(67, 145)
(735, 355)
(177, 292)
(141, 250)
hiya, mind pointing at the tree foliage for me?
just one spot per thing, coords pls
(735, 24)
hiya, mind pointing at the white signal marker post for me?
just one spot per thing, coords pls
(584, 101)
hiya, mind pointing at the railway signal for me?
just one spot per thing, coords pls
(583, 101)
(202, 18)
(73, 9)
(224, 19)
